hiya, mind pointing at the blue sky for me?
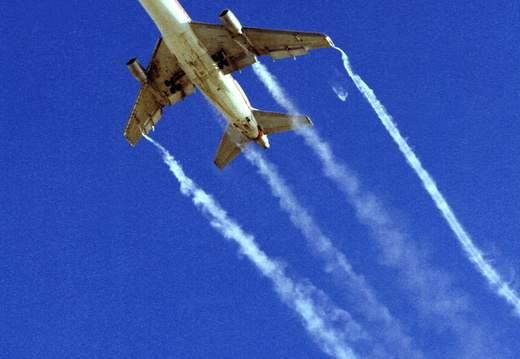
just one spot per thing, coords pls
(103, 256)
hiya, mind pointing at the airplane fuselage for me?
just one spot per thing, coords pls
(221, 89)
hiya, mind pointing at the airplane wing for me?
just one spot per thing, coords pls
(276, 43)
(282, 43)
(218, 40)
(166, 83)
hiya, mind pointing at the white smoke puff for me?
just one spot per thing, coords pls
(340, 92)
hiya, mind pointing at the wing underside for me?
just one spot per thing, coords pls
(166, 83)
(276, 43)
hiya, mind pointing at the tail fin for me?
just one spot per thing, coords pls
(274, 122)
(232, 143)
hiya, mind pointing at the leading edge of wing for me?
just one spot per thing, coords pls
(270, 41)
(165, 83)
(255, 42)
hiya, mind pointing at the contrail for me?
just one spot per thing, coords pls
(388, 328)
(336, 263)
(435, 296)
(329, 326)
(473, 253)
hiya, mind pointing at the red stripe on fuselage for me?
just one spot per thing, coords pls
(260, 134)
(184, 11)
(242, 93)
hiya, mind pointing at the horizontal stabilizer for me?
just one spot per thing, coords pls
(232, 143)
(274, 122)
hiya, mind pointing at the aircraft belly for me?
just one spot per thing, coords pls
(167, 15)
(196, 62)
(224, 95)
(232, 105)
(219, 88)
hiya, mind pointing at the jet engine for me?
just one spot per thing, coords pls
(137, 69)
(231, 22)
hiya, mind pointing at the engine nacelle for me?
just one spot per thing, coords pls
(137, 69)
(230, 22)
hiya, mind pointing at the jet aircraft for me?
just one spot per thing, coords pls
(194, 54)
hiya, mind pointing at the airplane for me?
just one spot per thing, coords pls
(194, 54)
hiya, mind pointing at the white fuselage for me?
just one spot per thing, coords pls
(222, 90)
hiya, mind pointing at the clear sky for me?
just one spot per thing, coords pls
(102, 256)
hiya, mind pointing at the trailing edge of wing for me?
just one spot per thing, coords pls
(285, 43)
(166, 83)
(276, 43)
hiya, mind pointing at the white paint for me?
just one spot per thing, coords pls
(222, 90)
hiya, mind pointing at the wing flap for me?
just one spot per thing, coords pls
(277, 54)
(237, 63)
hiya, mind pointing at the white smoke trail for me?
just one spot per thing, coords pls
(336, 262)
(329, 326)
(473, 253)
(436, 298)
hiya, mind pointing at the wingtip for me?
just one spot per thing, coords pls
(331, 44)
(220, 167)
(133, 143)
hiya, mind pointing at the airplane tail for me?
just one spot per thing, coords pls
(233, 141)
(231, 144)
(274, 122)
